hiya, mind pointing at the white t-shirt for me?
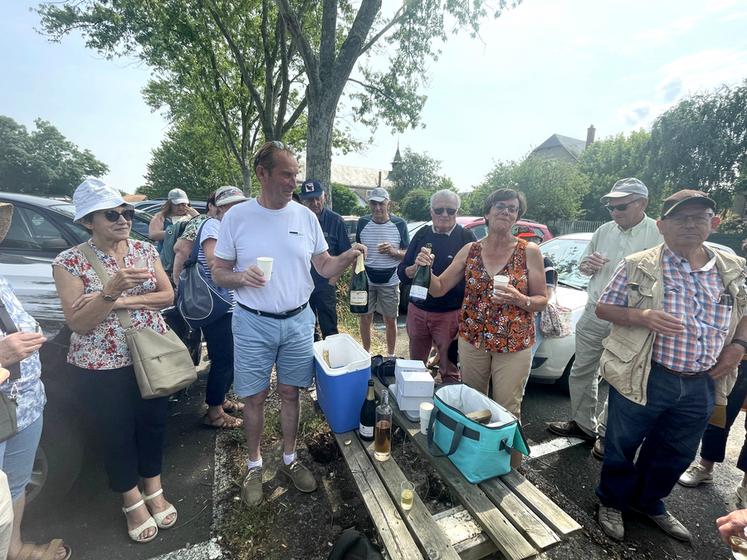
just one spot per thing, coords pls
(291, 236)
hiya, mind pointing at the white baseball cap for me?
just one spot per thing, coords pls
(625, 187)
(178, 196)
(379, 194)
(228, 195)
(93, 194)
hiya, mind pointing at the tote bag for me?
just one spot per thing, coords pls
(479, 451)
(555, 320)
(161, 362)
(200, 301)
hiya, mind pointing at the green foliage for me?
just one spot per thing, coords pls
(44, 162)
(416, 205)
(501, 176)
(417, 171)
(732, 223)
(192, 158)
(345, 201)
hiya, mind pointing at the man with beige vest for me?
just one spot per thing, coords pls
(678, 335)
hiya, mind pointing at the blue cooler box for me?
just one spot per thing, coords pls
(341, 389)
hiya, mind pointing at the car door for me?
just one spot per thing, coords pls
(34, 232)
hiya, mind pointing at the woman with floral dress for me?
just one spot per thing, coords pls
(129, 429)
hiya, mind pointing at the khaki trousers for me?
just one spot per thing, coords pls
(6, 515)
(583, 382)
(508, 371)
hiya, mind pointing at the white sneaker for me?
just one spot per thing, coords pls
(741, 496)
(695, 476)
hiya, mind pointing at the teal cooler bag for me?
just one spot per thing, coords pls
(479, 451)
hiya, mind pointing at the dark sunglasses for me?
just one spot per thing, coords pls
(449, 211)
(113, 215)
(619, 207)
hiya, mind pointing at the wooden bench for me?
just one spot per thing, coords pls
(506, 514)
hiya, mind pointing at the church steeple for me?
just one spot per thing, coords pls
(397, 161)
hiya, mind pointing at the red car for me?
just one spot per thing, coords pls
(477, 225)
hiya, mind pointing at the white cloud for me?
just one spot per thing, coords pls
(662, 34)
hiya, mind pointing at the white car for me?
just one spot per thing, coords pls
(554, 357)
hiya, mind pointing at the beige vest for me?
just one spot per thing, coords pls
(626, 360)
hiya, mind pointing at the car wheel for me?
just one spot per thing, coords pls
(562, 383)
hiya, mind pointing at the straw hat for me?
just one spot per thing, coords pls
(6, 213)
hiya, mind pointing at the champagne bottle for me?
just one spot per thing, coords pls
(359, 288)
(383, 429)
(368, 414)
(421, 281)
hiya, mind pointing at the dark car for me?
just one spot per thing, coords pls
(154, 205)
(40, 229)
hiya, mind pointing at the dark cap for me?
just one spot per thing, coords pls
(311, 188)
(686, 197)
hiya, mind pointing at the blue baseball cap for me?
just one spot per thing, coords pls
(311, 188)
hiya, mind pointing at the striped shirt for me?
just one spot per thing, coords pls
(209, 231)
(380, 267)
(694, 297)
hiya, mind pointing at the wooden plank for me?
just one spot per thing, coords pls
(468, 538)
(431, 539)
(523, 518)
(544, 507)
(504, 535)
(393, 531)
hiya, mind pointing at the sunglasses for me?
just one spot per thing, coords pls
(619, 207)
(113, 215)
(266, 148)
(449, 211)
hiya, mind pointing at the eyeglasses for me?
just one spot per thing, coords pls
(699, 220)
(113, 215)
(449, 211)
(510, 208)
(619, 207)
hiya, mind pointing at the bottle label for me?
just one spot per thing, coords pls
(358, 297)
(365, 431)
(418, 292)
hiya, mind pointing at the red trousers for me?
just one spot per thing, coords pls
(427, 328)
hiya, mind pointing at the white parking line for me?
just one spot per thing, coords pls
(553, 446)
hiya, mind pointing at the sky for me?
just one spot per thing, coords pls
(547, 66)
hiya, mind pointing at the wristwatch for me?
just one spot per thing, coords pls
(529, 303)
(109, 298)
(742, 343)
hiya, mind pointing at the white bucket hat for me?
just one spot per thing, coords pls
(228, 195)
(93, 194)
(178, 196)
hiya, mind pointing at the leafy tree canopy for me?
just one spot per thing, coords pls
(416, 205)
(416, 171)
(345, 201)
(42, 162)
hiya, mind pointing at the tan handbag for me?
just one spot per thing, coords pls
(555, 320)
(161, 361)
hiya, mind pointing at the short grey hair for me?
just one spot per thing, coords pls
(448, 194)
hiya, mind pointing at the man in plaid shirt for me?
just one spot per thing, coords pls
(676, 341)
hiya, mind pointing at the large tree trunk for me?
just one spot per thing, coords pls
(319, 144)
(246, 178)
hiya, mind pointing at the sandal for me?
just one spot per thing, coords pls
(149, 523)
(48, 551)
(231, 406)
(224, 421)
(161, 515)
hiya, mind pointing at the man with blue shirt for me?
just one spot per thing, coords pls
(323, 299)
(386, 237)
(435, 320)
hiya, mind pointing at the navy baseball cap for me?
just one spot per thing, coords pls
(311, 188)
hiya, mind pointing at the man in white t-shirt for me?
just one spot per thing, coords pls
(272, 323)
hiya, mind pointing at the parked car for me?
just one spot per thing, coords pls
(480, 229)
(154, 205)
(351, 222)
(40, 229)
(554, 357)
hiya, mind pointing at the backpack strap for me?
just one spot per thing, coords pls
(196, 246)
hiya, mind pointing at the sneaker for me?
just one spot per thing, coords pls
(611, 521)
(570, 429)
(671, 526)
(251, 487)
(302, 478)
(741, 496)
(696, 475)
(598, 450)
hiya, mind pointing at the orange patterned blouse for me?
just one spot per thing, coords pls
(495, 328)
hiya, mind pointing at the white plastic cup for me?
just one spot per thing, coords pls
(500, 280)
(265, 265)
(140, 262)
(425, 416)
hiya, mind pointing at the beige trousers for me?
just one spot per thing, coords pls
(508, 371)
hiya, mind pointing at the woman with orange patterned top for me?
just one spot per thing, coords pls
(496, 327)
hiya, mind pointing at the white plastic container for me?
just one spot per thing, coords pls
(341, 386)
(409, 405)
(415, 383)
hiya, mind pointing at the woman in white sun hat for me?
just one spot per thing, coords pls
(129, 429)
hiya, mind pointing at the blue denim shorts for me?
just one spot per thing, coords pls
(17, 456)
(263, 342)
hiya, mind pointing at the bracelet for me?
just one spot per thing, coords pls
(529, 303)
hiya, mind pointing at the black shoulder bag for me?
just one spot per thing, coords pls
(8, 423)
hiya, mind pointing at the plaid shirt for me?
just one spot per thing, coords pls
(696, 297)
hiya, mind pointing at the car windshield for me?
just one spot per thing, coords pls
(565, 254)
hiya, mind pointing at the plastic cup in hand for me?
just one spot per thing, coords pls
(140, 262)
(499, 280)
(425, 416)
(265, 265)
(34, 328)
(738, 547)
(406, 495)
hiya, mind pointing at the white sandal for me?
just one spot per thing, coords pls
(161, 515)
(149, 523)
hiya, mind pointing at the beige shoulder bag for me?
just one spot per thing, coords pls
(161, 361)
